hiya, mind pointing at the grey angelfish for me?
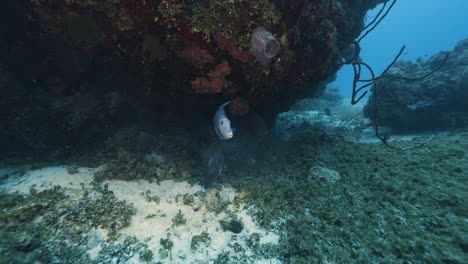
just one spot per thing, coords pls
(222, 124)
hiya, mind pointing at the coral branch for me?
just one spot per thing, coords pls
(378, 21)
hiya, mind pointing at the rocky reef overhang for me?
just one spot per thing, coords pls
(73, 61)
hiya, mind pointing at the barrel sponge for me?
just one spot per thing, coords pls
(263, 45)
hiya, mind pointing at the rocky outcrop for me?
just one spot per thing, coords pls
(438, 101)
(183, 57)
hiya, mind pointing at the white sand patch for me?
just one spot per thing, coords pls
(46, 178)
(198, 220)
(154, 217)
(95, 238)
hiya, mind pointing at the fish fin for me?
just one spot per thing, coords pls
(226, 103)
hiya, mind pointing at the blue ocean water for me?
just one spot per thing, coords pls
(425, 27)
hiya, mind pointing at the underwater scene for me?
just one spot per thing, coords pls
(182, 131)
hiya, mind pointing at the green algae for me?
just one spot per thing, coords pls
(234, 20)
(146, 255)
(215, 202)
(151, 198)
(131, 166)
(166, 247)
(170, 11)
(179, 219)
(198, 241)
(35, 226)
(388, 206)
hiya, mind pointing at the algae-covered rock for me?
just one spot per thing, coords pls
(435, 102)
(151, 198)
(167, 243)
(120, 63)
(131, 166)
(216, 200)
(198, 241)
(402, 194)
(320, 172)
(179, 219)
(37, 224)
(166, 247)
(254, 240)
(232, 225)
(146, 255)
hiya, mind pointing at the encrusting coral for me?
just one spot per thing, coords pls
(215, 80)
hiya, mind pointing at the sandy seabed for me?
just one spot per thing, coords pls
(153, 220)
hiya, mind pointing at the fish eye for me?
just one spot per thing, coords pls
(222, 122)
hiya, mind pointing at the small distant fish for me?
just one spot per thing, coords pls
(420, 104)
(222, 124)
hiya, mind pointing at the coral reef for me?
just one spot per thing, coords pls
(229, 45)
(93, 65)
(139, 79)
(437, 101)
